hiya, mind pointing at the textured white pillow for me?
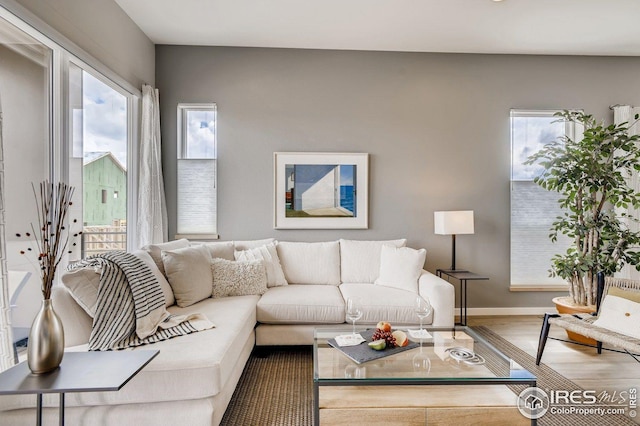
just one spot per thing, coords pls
(620, 312)
(189, 272)
(83, 285)
(155, 251)
(238, 278)
(169, 299)
(310, 263)
(360, 260)
(269, 256)
(400, 267)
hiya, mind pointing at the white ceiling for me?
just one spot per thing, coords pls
(558, 27)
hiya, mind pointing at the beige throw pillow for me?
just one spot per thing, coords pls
(238, 278)
(360, 260)
(83, 285)
(400, 267)
(269, 256)
(155, 251)
(189, 272)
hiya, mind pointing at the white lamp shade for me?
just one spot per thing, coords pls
(453, 222)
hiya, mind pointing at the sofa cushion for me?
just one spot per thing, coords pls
(400, 267)
(360, 260)
(380, 303)
(220, 250)
(189, 272)
(299, 304)
(249, 244)
(155, 250)
(269, 257)
(310, 263)
(238, 278)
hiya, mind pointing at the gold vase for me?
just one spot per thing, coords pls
(45, 346)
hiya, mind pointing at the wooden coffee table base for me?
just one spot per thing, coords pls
(419, 405)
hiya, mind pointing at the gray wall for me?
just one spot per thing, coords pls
(436, 127)
(103, 30)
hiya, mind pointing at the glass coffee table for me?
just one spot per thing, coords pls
(455, 375)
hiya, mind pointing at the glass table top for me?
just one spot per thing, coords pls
(451, 355)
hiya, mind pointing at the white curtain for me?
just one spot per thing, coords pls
(626, 114)
(152, 207)
(6, 335)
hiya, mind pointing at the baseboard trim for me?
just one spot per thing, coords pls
(507, 311)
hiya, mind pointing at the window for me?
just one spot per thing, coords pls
(533, 209)
(197, 170)
(99, 159)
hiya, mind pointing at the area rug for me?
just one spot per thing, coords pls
(277, 389)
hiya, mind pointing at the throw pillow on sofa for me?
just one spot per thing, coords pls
(360, 260)
(189, 272)
(155, 251)
(223, 250)
(83, 283)
(400, 267)
(269, 256)
(238, 278)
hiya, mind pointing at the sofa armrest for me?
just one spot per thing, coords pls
(441, 294)
(75, 321)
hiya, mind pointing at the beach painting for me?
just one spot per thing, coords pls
(320, 190)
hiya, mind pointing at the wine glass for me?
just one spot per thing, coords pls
(354, 312)
(423, 309)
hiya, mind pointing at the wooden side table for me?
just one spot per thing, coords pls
(79, 372)
(463, 277)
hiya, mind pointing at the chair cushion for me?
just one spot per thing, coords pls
(380, 303)
(310, 263)
(620, 312)
(297, 304)
(360, 260)
(400, 267)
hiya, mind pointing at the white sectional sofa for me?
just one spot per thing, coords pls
(192, 379)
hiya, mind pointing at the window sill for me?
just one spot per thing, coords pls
(539, 287)
(198, 237)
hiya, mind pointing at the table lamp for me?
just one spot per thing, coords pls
(453, 223)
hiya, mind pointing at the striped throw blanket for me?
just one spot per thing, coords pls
(131, 308)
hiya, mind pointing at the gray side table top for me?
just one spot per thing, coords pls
(79, 372)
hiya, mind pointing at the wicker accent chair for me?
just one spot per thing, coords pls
(583, 323)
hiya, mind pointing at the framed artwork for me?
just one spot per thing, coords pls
(321, 190)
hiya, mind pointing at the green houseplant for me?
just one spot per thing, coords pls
(591, 174)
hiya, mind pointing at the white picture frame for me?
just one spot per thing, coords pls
(321, 190)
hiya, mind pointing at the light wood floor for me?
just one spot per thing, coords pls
(610, 371)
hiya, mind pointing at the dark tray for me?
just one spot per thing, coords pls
(363, 353)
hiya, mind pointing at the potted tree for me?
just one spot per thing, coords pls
(591, 174)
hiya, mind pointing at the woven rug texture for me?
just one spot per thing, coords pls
(277, 389)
